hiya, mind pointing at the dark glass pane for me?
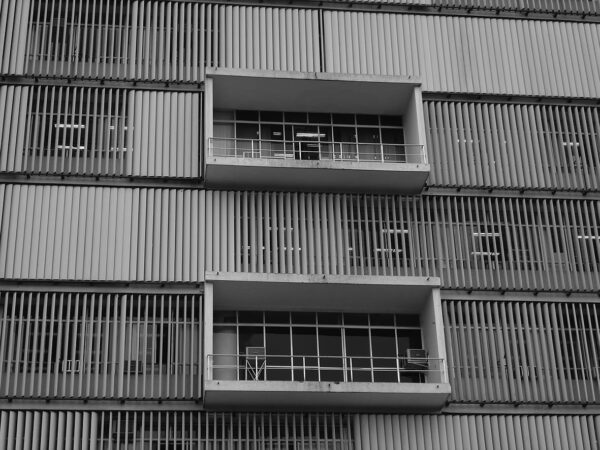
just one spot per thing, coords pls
(319, 118)
(356, 319)
(358, 353)
(344, 134)
(382, 319)
(407, 320)
(250, 337)
(271, 116)
(224, 316)
(330, 344)
(250, 367)
(303, 318)
(273, 317)
(247, 115)
(330, 318)
(391, 136)
(385, 367)
(343, 119)
(392, 121)
(295, 117)
(278, 353)
(246, 131)
(304, 341)
(220, 114)
(250, 316)
(367, 119)
(368, 135)
(272, 132)
(410, 339)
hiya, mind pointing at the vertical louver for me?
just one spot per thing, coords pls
(99, 131)
(470, 242)
(513, 146)
(523, 351)
(94, 233)
(100, 346)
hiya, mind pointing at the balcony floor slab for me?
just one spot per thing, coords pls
(294, 395)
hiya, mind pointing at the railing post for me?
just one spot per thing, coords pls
(304, 367)
(351, 372)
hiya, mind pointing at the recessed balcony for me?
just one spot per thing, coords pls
(299, 342)
(325, 166)
(314, 132)
(294, 381)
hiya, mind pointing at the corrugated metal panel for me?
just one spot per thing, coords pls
(14, 16)
(264, 38)
(94, 233)
(467, 54)
(470, 242)
(24, 430)
(515, 146)
(117, 39)
(100, 346)
(534, 351)
(174, 430)
(475, 432)
(555, 6)
(99, 131)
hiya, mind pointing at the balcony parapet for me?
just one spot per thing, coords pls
(321, 151)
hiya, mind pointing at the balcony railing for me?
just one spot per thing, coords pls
(349, 369)
(318, 151)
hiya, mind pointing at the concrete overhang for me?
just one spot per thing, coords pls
(348, 293)
(315, 176)
(310, 91)
(336, 293)
(238, 89)
(294, 395)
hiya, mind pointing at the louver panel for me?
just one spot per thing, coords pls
(26, 430)
(470, 242)
(100, 346)
(463, 54)
(13, 35)
(93, 233)
(530, 352)
(263, 38)
(513, 146)
(475, 432)
(558, 6)
(99, 131)
(156, 40)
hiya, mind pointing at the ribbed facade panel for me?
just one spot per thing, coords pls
(476, 432)
(14, 16)
(515, 146)
(95, 233)
(470, 242)
(471, 55)
(117, 39)
(176, 40)
(99, 131)
(24, 430)
(264, 38)
(523, 351)
(100, 346)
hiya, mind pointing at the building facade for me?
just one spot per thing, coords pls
(309, 225)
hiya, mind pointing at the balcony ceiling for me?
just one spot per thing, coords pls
(310, 92)
(349, 293)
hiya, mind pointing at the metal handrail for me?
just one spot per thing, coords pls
(349, 369)
(318, 150)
